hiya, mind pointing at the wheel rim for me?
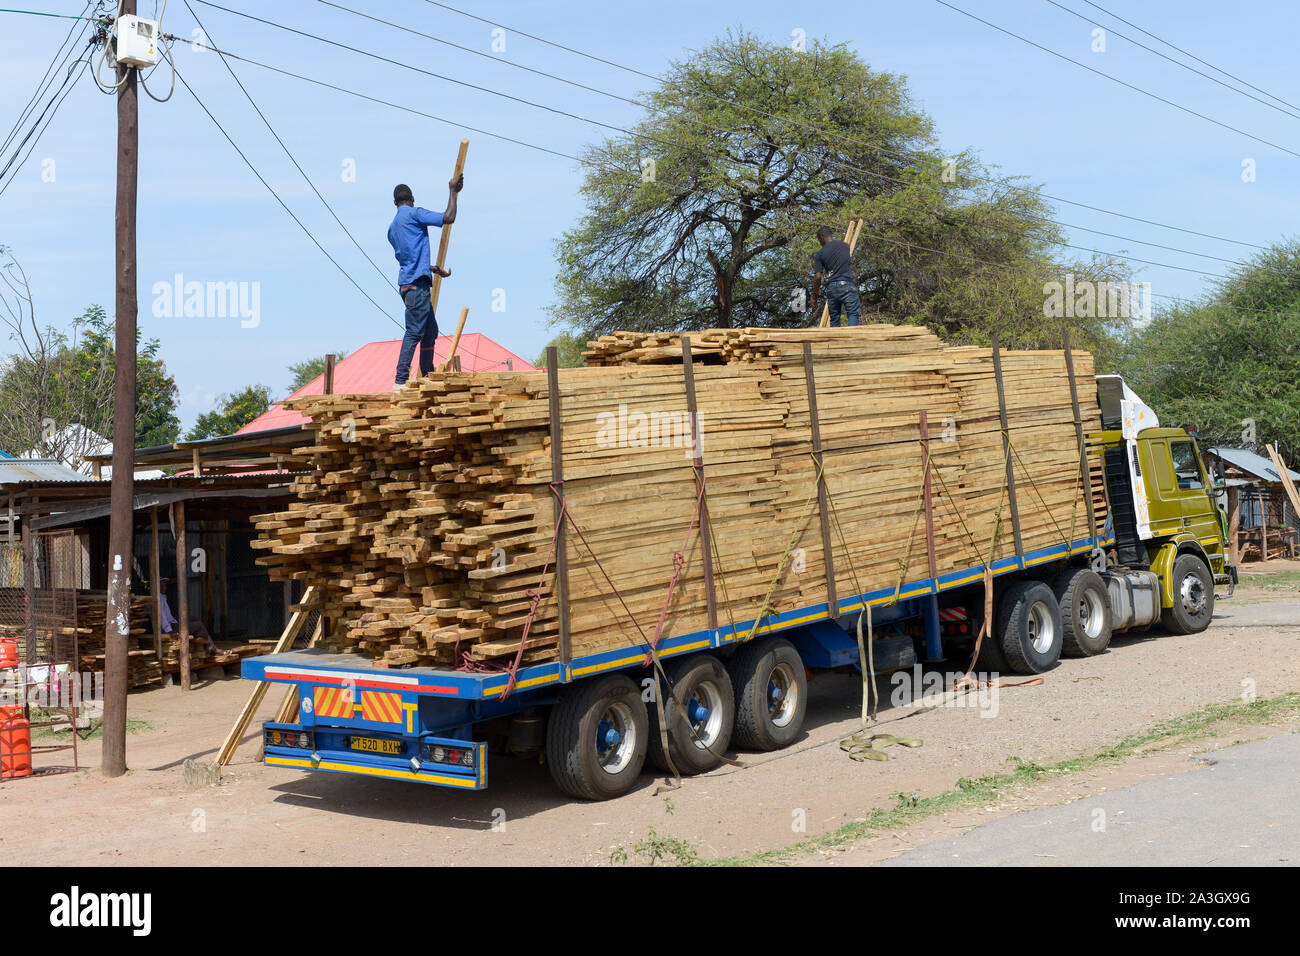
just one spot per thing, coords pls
(1092, 614)
(704, 713)
(782, 694)
(1192, 594)
(615, 737)
(1041, 627)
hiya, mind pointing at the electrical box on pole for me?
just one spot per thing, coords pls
(136, 41)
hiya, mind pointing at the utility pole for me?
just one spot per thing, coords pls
(122, 489)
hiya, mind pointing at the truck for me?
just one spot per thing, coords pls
(597, 719)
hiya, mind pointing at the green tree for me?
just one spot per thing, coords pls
(234, 413)
(569, 349)
(55, 378)
(308, 369)
(1229, 365)
(707, 215)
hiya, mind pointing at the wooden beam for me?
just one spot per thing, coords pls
(155, 583)
(814, 423)
(697, 463)
(928, 495)
(285, 642)
(460, 327)
(1288, 485)
(436, 289)
(182, 593)
(1006, 449)
(329, 373)
(1085, 473)
(557, 478)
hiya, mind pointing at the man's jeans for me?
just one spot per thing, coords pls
(841, 294)
(421, 330)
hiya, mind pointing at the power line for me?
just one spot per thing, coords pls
(650, 107)
(1114, 79)
(282, 203)
(1191, 55)
(1178, 63)
(1005, 183)
(37, 130)
(631, 133)
(590, 162)
(59, 59)
(387, 280)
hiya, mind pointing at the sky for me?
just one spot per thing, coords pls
(203, 215)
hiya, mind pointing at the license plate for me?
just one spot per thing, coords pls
(376, 745)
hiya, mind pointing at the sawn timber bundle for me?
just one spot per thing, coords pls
(429, 518)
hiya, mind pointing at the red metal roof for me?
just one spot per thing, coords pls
(372, 368)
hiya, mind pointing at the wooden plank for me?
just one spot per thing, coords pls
(445, 238)
(697, 464)
(557, 485)
(182, 592)
(285, 642)
(1006, 447)
(823, 505)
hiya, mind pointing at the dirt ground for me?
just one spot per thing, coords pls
(260, 815)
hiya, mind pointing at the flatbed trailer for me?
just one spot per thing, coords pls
(597, 718)
(419, 724)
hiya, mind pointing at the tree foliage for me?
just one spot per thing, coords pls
(234, 412)
(308, 369)
(568, 351)
(707, 215)
(1229, 365)
(54, 379)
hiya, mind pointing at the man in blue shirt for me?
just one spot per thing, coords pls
(409, 237)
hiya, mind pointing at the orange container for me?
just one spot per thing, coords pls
(8, 652)
(15, 748)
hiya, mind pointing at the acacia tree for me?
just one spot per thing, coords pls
(706, 215)
(1229, 365)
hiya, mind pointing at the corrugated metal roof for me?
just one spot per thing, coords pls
(370, 369)
(1248, 461)
(36, 469)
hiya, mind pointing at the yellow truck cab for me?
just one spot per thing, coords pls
(1169, 537)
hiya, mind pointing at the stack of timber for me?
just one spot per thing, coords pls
(143, 668)
(428, 519)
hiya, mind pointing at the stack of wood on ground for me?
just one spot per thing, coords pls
(428, 518)
(143, 668)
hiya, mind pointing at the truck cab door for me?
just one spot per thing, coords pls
(1182, 489)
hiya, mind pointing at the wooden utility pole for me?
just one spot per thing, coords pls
(122, 490)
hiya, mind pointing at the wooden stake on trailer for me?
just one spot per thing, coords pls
(285, 642)
(697, 463)
(928, 494)
(460, 327)
(828, 555)
(1006, 447)
(445, 238)
(329, 373)
(557, 479)
(851, 237)
(1085, 473)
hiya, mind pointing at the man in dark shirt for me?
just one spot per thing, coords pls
(409, 236)
(832, 260)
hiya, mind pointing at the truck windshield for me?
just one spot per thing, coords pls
(1185, 465)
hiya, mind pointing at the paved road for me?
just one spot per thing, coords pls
(1230, 614)
(1239, 809)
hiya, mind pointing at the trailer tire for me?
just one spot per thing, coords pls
(596, 738)
(1029, 627)
(699, 681)
(1085, 612)
(1193, 597)
(771, 689)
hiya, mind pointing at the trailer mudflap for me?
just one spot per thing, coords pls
(437, 761)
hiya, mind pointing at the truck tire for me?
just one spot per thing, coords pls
(703, 693)
(771, 689)
(1085, 612)
(1193, 597)
(596, 738)
(1029, 627)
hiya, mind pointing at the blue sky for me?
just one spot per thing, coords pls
(203, 215)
